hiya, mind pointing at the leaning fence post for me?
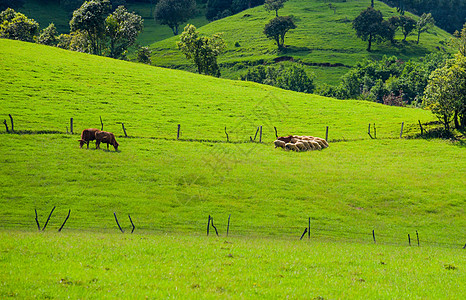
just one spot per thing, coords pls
(369, 131)
(101, 123)
(276, 133)
(420, 125)
(257, 131)
(124, 129)
(37, 220)
(131, 223)
(6, 125)
(212, 222)
(228, 227)
(227, 134)
(178, 132)
(61, 227)
(304, 233)
(48, 218)
(116, 219)
(373, 235)
(401, 132)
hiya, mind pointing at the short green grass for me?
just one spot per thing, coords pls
(94, 265)
(320, 37)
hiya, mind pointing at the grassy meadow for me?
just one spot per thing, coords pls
(321, 37)
(169, 187)
(95, 265)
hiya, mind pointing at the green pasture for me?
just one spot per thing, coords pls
(169, 187)
(321, 37)
(94, 265)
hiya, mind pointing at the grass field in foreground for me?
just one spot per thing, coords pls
(90, 265)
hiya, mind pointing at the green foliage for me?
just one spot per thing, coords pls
(144, 55)
(274, 5)
(75, 41)
(425, 22)
(203, 51)
(218, 9)
(90, 19)
(459, 40)
(445, 93)
(16, 26)
(407, 25)
(293, 78)
(174, 12)
(122, 28)
(48, 36)
(370, 26)
(277, 28)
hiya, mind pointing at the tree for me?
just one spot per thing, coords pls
(174, 12)
(407, 25)
(274, 5)
(368, 26)
(460, 40)
(445, 93)
(90, 19)
(16, 26)
(203, 51)
(122, 29)
(48, 36)
(425, 22)
(277, 28)
(296, 79)
(144, 55)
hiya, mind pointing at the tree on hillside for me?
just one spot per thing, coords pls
(90, 19)
(174, 12)
(425, 22)
(445, 93)
(407, 25)
(370, 26)
(48, 36)
(217, 9)
(14, 4)
(202, 50)
(16, 26)
(122, 29)
(277, 28)
(274, 5)
(459, 41)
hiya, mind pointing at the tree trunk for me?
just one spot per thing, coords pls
(455, 118)
(370, 43)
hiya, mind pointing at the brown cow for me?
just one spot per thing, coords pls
(286, 139)
(105, 137)
(86, 136)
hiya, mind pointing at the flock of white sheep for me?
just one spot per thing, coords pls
(300, 143)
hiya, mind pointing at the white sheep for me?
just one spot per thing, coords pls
(306, 144)
(321, 142)
(279, 144)
(301, 146)
(315, 145)
(291, 146)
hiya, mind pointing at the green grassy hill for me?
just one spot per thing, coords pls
(322, 38)
(389, 184)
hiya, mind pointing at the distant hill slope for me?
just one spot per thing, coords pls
(322, 39)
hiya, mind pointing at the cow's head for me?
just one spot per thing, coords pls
(81, 143)
(115, 145)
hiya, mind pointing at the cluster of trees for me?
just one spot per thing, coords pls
(294, 78)
(93, 29)
(449, 14)
(370, 26)
(389, 80)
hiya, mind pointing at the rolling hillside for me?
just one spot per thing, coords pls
(358, 184)
(322, 39)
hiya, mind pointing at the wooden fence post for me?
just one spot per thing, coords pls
(61, 227)
(12, 125)
(401, 132)
(375, 132)
(178, 132)
(309, 228)
(6, 125)
(227, 134)
(124, 129)
(260, 135)
(116, 219)
(48, 218)
(37, 220)
(257, 131)
(304, 233)
(212, 222)
(228, 227)
(276, 133)
(420, 125)
(373, 235)
(71, 125)
(326, 134)
(369, 131)
(101, 123)
(131, 223)
(417, 235)
(208, 225)
(409, 239)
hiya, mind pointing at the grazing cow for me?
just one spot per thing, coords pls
(286, 139)
(105, 137)
(86, 136)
